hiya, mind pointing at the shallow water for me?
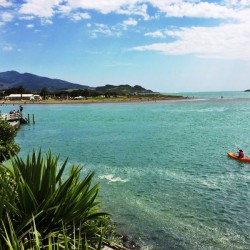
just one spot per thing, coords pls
(162, 166)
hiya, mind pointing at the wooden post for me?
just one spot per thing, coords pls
(33, 116)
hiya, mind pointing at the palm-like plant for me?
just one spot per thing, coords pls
(35, 191)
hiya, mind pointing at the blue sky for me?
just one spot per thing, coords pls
(162, 45)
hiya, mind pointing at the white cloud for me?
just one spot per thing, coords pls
(4, 3)
(79, 16)
(156, 34)
(48, 8)
(40, 8)
(64, 9)
(102, 6)
(139, 10)
(104, 29)
(170, 8)
(26, 17)
(129, 22)
(238, 2)
(46, 21)
(175, 8)
(230, 41)
(7, 48)
(69, 8)
(6, 17)
(73, 14)
(30, 26)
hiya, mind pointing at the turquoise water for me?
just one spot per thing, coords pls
(216, 95)
(162, 166)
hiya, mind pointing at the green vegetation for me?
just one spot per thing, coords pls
(8, 147)
(17, 90)
(123, 89)
(12, 82)
(105, 91)
(44, 92)
(41, 208)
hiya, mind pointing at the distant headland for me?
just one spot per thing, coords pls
(15, 87)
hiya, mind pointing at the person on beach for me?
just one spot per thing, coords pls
(241, 153)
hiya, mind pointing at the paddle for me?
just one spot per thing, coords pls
(236, 146)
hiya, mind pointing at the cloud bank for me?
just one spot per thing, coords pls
(227, 38)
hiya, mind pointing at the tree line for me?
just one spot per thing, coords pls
(45, 93)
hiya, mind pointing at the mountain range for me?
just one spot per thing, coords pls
(13, 79)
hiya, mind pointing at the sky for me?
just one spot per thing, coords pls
(168, 46)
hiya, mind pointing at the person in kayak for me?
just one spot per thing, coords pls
(241, 153)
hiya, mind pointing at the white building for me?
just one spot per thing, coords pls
(31, 97)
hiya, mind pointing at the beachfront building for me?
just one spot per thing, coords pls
(16, 97)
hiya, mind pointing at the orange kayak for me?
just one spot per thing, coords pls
(234, 156)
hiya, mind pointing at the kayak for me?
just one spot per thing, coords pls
(234, 156)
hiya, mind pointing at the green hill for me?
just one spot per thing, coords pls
(123, 89)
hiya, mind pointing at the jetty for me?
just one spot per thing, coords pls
(16, 118)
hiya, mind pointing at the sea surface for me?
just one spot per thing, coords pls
(162, 166)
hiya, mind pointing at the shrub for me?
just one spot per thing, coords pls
(8, 147)
(34, 197)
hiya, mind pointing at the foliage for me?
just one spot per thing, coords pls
(8, 147)
(44, 92)
(34, 197)
(56, 241)
(34, 241)
(17, 90)
(80, 92)
(122, 89)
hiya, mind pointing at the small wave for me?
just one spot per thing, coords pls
(111, 178)
(212, 110)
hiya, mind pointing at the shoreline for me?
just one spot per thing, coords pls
(96, 100)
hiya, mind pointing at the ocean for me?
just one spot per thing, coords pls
(162, 166)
